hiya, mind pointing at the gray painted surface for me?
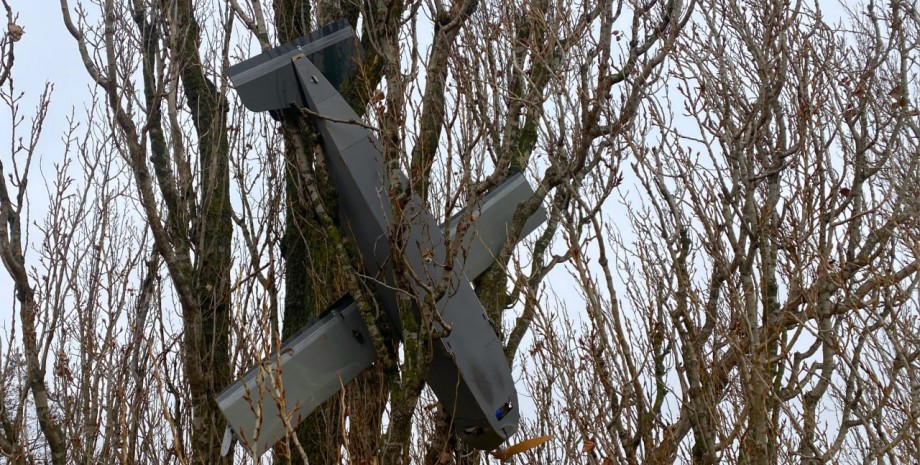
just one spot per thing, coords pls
(239, 402)
(267, 82)
(468, 372)
(492, 218)
(315, 364)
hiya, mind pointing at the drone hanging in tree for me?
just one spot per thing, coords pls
(468, 371)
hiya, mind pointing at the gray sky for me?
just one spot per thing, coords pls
(46, 53)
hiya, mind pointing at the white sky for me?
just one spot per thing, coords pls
(46, 53)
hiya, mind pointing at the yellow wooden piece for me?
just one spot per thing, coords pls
(505, 454)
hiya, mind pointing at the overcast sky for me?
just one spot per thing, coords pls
(46, 53)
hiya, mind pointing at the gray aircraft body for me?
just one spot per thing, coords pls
(468, 371)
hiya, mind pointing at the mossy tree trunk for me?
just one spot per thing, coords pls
(313, 268)
(192, 231)
(207, 363)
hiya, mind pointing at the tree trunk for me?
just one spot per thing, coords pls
(207, 363)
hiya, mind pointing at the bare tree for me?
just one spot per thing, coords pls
(74, 363)
(728, 271)
(24, 370)
(767, 273)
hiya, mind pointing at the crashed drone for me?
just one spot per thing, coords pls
(468, 371)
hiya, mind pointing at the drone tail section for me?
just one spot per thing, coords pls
(267, 82)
